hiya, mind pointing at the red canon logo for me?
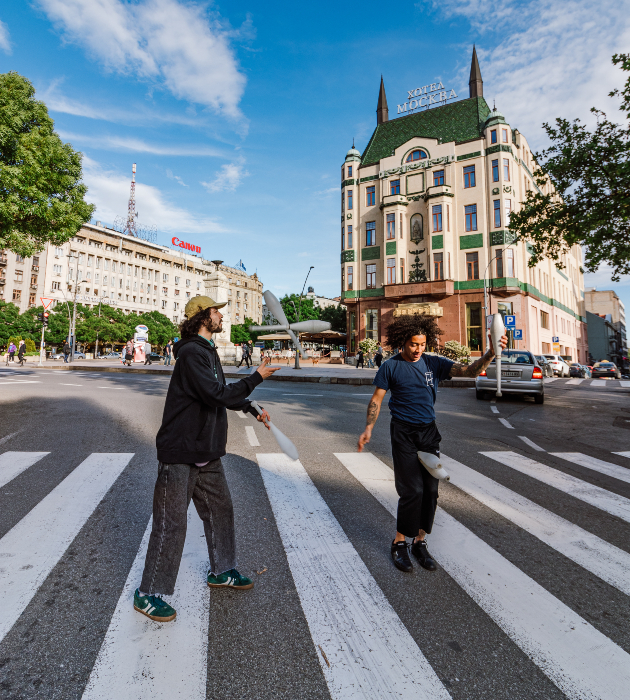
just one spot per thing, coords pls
(186, 246)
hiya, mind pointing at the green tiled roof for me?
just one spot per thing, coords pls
(458, 121)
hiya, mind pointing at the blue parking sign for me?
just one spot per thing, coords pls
(509, 321)
(518, 334)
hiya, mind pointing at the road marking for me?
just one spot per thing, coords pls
(64, 384)
(582, 490)
(598, 382)
(505, 423)
(6, 438)
(140, 658)
(597, 465)
(570, 651)
(494, 409)
(293, 394)
(622, 454)
(111, 387)
(370, 652)
(548, 380)
(592, 553)
(33, 547)
(574, 381)
(9, 382)
(625, 385)
(532, 444)
(251, 436)
(240, 414)
(14, 463)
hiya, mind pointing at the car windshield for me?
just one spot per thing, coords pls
(550, 357)
(604, 364)
(516, 357)
(575, 364)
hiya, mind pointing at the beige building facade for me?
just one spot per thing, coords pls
(425, 211)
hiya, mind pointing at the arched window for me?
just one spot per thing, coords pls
(416, 229)
(416, 155)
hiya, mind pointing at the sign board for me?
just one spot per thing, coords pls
(44, 300)
(425, 96)
(509, 321)
(555, 339)
(489, 320)
(556, 348)
(518, 334)
(186, 246)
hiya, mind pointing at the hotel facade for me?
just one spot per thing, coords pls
(122, 271)
(424, 219)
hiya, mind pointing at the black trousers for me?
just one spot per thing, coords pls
(246, 360)
(417, 489)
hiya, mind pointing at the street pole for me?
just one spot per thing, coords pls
(41, 349)
(486, 298)
(297, 312)
(297, 335)
(96, 348)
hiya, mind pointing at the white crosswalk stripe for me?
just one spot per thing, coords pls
(574, 382)
(14, 463)
(625, 385)
(370, 653)
(145, 660)
(582, 490)
(598, 382)
(597, 465)
(31, 549)
(570, 651)
(252, 438)
(622, 454)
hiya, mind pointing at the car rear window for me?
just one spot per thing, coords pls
(550, 357)
(517, 357)
(604, 364)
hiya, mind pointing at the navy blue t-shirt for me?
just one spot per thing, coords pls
(413, 386)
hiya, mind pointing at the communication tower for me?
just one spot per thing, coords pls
(130, 226)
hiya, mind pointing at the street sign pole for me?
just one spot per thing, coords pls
(41, 349)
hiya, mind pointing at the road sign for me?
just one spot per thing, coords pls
(509, 321)
(555, 339)
(44, 300)
(489, 320)
(518, 334)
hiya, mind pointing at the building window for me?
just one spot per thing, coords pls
(349, 236)
(544, 320)
(416, 155)
(350, 278)
(470, 213)
(495, 171)
(370, 233)
(394, 187)
(349, 171)
(546, 348)
(507, 208)
(438, 266)
(17, 295)
(493, 136)
(391, 271)
(164, 277)
(497, 213)
(509, 263)
(402, 270)
(371, 324)
(370, 196)
(31, 299)
(19, 276)
(391, 226)
(343, 279)
(437, 217)
(438, 177)
(349, 200)
(499, 264)
(19, 259)
(473, 325)
(472, 266)
(343, 238)
(370, 276)
(55, 286)
(469, 176)
(504, 133)
(177, 280)
(506, 169)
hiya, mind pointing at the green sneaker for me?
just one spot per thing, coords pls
(230, 579)
(153, 607)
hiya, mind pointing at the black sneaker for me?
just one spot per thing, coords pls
(400, 556)
(420, 550)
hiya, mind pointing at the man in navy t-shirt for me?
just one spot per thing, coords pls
(412, 378)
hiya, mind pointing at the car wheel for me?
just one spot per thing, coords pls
(481, 395)
(539, 398)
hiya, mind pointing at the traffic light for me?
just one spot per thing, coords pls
(45, 318)
(40, 318)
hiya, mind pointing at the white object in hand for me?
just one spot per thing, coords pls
(497, 331)
(433, 465)
(283, 441)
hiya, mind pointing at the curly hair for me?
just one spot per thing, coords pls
(402, 328)
(189, 327)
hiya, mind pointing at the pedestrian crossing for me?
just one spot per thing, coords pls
(362, 641)
(595, 383)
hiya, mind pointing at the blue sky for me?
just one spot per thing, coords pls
(239, 117)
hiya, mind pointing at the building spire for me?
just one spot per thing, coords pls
(382, 111)
(475, 84)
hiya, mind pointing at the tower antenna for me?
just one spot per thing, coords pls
(130, 226)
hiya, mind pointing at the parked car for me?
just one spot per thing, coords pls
(559, 366)
(59, 356)
(520, 374)
(578, 370)
(110, 356)
(545, 365)
(156, 357)
(606, 369)
(588, 370)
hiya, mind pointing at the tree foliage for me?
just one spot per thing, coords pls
(336, 316)
(590, 171)
(41, 188)
(308, 310)
(454, 350)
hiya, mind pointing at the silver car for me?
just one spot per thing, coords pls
(520, 374)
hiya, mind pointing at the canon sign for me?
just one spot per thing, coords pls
(187, 246)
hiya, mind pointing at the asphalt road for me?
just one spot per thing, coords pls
(532, 539)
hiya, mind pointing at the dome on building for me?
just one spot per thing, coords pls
(495, 117)
(353, 154)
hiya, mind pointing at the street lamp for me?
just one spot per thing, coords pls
(485, 292)
(297, 313)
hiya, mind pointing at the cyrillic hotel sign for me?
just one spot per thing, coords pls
(426, 96)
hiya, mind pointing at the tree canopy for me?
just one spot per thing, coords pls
(588, 202)
(41, 188)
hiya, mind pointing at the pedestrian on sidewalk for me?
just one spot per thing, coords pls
(378, 358)
(412, 378)
(128, 351)
(147, 353)
(22, 352)
(168, 351)
(190, 444)
(360, 359)
(245, 353)
(66, 351)
(12, 349)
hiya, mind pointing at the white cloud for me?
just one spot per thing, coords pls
(547, 59)
(177, 178)
(110, 192)
(121, 143)
(5, 42)
(228, 178)
(602, 279)
(174, 43)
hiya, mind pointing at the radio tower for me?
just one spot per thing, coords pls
(130, 225)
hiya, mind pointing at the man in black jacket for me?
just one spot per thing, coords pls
(190, 445)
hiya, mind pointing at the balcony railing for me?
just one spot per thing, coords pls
(437, 288)
(3, 261)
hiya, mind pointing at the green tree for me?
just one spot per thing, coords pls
(308, 310)
(590, 173)
(336, 316)
(41, 191)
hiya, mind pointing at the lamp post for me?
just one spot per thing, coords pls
(486, 298)
(297, 313)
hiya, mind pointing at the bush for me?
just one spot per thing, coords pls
(368, 345)
(30, 346)
(455, 351)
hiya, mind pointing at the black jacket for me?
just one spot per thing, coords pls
(194, 424)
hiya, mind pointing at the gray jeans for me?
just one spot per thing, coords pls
(175, 486)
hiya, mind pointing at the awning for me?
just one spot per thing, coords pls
(331, 336)
(274, 336)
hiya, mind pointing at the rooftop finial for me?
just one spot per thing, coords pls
(382, 112)
(353, 142)
(475, 84)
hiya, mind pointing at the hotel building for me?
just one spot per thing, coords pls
(424, 219)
